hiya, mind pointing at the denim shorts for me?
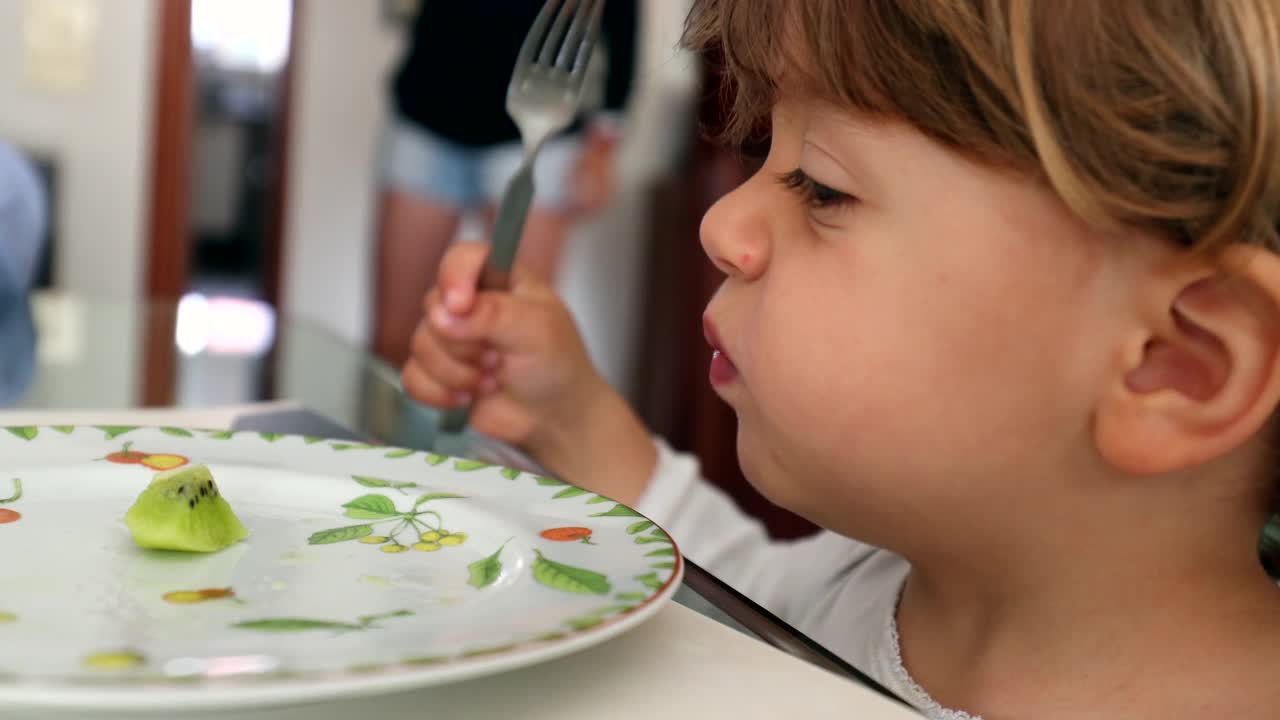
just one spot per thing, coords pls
(419, 162)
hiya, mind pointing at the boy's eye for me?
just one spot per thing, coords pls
(814, 194)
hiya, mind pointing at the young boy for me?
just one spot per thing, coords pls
(1002, 314)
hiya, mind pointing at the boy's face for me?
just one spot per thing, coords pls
(923, 333)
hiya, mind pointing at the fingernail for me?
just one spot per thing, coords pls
(490, 359)
(456, 300)
(488, 384)
(442, 318)
(462, 398)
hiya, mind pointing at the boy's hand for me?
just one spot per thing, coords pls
(517, 357)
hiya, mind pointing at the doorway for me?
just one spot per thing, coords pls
(218, 187)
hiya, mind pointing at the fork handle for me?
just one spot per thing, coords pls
(507, 229)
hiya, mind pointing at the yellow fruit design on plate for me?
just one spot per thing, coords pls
(156, 461)
(7, 617)
(418, 528)
(115, 660)
(186, 597)
(453, 539)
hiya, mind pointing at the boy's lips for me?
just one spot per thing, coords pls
(722, 370)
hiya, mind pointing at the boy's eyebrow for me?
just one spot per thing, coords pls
(844, 143)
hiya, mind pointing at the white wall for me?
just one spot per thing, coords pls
(339, 103)
(339, 107)
(99, 134)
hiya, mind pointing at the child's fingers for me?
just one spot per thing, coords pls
(452, 367)
(427, 390)
(505, 321)
(460, 274)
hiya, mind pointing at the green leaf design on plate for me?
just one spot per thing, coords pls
(650, 580)
(598, 499)
(64, 429)
(424, 661)
(470, 465)
(638, 527)
(480, 652)
(26, 433)
(645, 539)
(115, 431)
(17, 493)
(486, 572)
(549, 481)
(663, 566)
(435, 458)
(350, 446)
(436, 496)
(631, 596)
(510, 473)
(269, 436)
(584, 623)
(618, 510)
(311, 439)
(568, 493)
(368, 620)
(661, 552)
(371, 507)
(342, 534)
(567, 578)
(371, 482)
(399, 453)
(222, 434)
(176, 432)
(292, 625)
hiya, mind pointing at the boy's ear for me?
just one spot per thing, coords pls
(1202, 373)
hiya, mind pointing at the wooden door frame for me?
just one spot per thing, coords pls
(172, 114)
(168, 247)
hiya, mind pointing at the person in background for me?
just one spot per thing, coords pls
(23, 223)
(451, 147)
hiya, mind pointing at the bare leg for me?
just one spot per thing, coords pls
(542, 243)
(413, 234)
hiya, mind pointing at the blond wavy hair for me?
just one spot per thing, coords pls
(1157, 114)
(1160, 115)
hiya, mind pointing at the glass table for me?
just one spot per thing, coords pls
(95, 353)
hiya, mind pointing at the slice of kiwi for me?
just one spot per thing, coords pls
(182, 510)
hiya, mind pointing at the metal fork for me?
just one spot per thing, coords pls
(543, 98)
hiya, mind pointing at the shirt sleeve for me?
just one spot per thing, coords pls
(708, 527)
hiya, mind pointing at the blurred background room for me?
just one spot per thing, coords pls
(211, 179)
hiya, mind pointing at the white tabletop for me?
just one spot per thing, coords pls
(677, 665)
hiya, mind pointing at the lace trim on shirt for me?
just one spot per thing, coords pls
(924, 701)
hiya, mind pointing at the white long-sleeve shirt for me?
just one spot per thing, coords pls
(838, 591)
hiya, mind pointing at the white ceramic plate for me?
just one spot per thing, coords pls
(482, 569)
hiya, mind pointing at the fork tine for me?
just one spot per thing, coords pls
(530, 46)
(588, 44)
(569, 51)
(551, 46)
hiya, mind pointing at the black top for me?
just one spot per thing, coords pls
(453, 77)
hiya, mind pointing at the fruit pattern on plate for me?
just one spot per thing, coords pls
(7, 515)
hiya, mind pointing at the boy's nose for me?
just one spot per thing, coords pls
(735, 232)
